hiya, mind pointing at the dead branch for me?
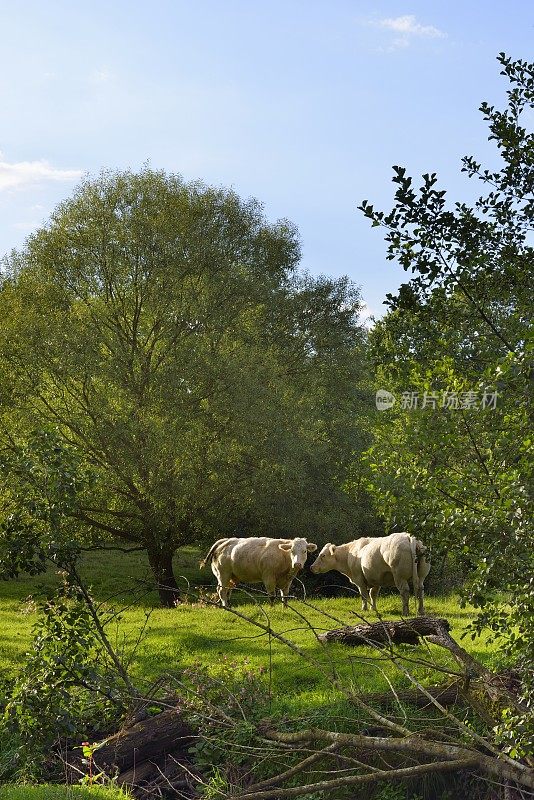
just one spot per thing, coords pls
(353, 698)
(149, 738)
(495, 686)
(436, 631)
(149, 758)
(289, 773)
(387, 632)
(354, 780)
(416, 746)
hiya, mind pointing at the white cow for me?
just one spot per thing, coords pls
(370, 563)
(273, 562)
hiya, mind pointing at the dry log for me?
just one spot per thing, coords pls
(140, 754)
(143, 771)
(173, 770)
(151, 738)
(387, 632)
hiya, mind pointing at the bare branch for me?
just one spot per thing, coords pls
(415, 746)
(355, 780)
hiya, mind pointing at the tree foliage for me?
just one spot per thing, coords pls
(160, 331)
(455, 471)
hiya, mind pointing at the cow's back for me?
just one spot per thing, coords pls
(386, 557)
(251, 558)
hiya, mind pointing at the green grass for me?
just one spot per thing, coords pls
(49, 792)
(193, 632)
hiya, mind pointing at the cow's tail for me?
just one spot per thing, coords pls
(415, 565)
(211, 552)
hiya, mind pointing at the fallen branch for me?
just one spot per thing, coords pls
(149, 753)
(496, 686)
(416, 746)
(436, 631)
(355, 780)
(171, 772)
(330, 750)
(148, 739)
(387, 632)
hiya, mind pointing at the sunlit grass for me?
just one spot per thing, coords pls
(173, 639)
(45, 792)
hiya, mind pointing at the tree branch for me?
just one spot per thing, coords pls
(289, 773)
(355, 780)
(102, 526)
(415, 746)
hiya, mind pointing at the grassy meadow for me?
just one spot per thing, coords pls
(46, 792)
(170, 640)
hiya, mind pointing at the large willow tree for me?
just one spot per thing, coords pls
(158, 333)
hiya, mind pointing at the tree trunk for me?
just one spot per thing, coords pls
(161, 563)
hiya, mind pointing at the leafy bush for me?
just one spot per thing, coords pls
(68, 686)
(224, 706)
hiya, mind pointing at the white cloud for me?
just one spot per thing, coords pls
(407, 28)
(29, 173)
(368, 315)
(398, 44)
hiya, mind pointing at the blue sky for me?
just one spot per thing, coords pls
(303, 104)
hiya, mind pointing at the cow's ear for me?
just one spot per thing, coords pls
(285, 546)
(311, 547)
(332, 549)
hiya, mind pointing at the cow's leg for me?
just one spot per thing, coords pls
(365, 595)
(404, 589)
(224, 593)
(270, 585)
(227, 588)
(284, 591)
(373, 594)
(224, 585)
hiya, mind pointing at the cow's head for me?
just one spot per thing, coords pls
(298, 549)
(326, 560)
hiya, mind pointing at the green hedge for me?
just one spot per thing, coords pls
(49, 792)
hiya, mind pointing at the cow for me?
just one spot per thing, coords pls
(273, 562)
(373, 562)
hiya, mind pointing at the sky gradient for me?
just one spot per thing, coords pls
(305, 105)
